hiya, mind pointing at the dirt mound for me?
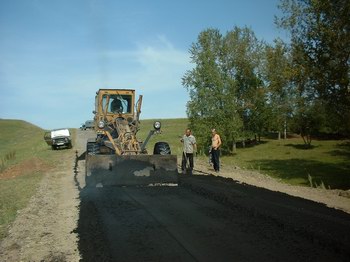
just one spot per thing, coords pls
(26, 167)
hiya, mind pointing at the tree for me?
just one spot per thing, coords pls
(309, 112)
(261, 113)
(308, 120)
(211, 93)
(320, 35)
(277, 76)
(242, 65)
(223, 83)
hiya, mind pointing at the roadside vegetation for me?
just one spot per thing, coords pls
(24, 158)
(325, 165)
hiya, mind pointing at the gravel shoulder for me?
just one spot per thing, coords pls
(43, 231)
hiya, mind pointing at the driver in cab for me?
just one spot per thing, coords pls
(116, 106)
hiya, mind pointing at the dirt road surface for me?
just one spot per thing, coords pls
(204, 218)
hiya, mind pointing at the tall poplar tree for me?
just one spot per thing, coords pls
(222, 84)
(320, 33)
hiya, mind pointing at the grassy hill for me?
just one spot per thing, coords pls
(20, 139)
(24, 157)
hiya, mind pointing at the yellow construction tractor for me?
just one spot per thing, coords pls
(116, 156)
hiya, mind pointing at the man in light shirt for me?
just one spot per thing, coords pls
(189, 147)
(215, 149)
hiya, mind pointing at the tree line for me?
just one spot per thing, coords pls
(245, 87)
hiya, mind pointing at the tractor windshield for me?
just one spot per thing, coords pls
(118, 104)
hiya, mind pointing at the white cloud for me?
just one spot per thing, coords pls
(162, 53)
(148, 67)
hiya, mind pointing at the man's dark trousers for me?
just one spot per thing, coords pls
(185, 158)
(215, 153)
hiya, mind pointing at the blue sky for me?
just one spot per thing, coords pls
(54, 55)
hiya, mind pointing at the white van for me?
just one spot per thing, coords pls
(58, 138)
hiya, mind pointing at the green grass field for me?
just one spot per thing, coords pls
(172, 129)
(21, 142)
(326, 162)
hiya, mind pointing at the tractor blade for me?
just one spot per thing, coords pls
(130, 170)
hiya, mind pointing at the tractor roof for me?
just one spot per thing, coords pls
(110, 89)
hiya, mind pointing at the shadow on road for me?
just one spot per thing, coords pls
(92, 243)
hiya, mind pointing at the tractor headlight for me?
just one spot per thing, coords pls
(101, 124)
(157, 125)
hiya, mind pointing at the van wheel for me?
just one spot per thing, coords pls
(161, 148)
(53, 147)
